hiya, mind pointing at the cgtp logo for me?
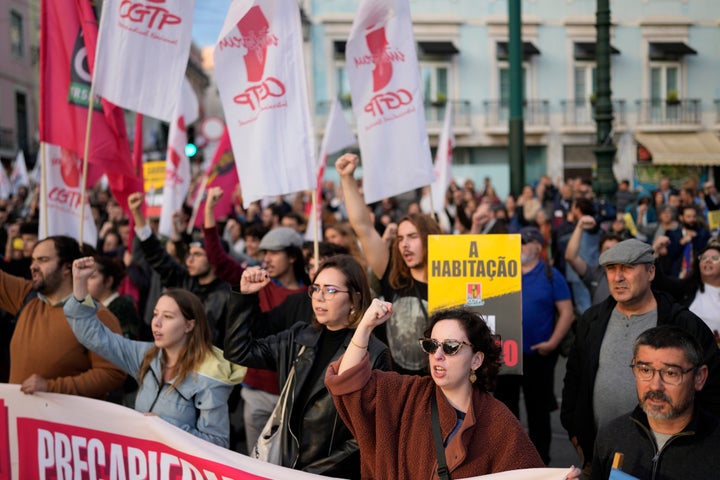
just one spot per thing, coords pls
(70, 168)
(150, 15)
(256, 37)
(378, 45)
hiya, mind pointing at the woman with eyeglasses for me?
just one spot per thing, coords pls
(700, 291)
(390, 414)
(314, 439)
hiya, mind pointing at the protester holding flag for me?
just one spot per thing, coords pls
(387, 412)
(402, 269)
(182, 377)
(196, 275)
(314, 439)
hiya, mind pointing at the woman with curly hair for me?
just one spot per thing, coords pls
(387, 411)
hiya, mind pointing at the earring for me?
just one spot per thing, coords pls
(352, 311)
(473, 377)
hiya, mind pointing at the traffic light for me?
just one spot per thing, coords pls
(191, 148)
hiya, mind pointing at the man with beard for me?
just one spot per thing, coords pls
(197, 275)
(667, 435)
(686, 242)
(402, 270)
(544, 291)
(598, 384)
(44, 354)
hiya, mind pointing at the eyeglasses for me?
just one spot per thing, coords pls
(328, 291)
(711, 258)
(669, 375)
(449, 347)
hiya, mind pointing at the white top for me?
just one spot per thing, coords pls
(706, 305)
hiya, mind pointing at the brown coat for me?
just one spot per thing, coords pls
(389, 415)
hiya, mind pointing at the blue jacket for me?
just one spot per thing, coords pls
(198, 405)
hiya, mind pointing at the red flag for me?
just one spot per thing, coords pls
(221, 173)
(68, 34)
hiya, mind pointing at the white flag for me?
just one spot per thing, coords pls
(443, 162)
(177, 164)
(387, 99)
(60, 204)
(5, 187)
(338, 135)
(19, 174)
(142, 54)
(261, 78)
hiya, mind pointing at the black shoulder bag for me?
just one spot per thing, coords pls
(442, 471)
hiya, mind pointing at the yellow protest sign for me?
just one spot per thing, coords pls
(713, 219)
(154, 176)
(481, 273)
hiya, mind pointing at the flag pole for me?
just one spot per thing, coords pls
(43, 189)
(316, 236)
(86, 153)
(196, 204)
(88, 130)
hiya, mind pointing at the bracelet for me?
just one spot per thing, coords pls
(358, 346)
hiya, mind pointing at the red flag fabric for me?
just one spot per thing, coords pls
(68, 34)
(221, 173)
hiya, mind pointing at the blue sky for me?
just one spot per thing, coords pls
(208, 20)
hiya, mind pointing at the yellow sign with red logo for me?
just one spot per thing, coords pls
(481, 273)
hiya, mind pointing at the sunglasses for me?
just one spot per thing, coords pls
(449, 347)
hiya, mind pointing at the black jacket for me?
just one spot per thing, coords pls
(690, 454)
(324, 445)
(576, 413)
(214, 295)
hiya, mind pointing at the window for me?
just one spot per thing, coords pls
(17, 45)
(435, 81)
(584, 78)
(664, 79)
(342, 84)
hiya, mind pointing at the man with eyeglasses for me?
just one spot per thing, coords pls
(667, 435)
(598, 385)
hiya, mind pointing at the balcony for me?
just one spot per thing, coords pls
(580, 112)
(659, 112)
(434, 115)
(7, 139)
(536, 114)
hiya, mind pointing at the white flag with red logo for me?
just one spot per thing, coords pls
(387, 99)
(60, 196)
(142, 54)
(443, 162)
(177, 164)
(260, 74)
(338, 135)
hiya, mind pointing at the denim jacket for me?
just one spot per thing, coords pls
(198, 405)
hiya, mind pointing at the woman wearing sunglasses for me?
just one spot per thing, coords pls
(390, 414)
(314, 439)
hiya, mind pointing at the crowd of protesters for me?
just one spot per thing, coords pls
(252, 273)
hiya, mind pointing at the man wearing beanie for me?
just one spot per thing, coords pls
(599, 386)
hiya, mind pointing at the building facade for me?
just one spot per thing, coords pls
(665, 65)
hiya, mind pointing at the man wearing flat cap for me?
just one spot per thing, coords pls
(599, 386)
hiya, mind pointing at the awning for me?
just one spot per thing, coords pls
(693, 148)
(670, 50)
(438, 48)
(586, 50)
(528, 50)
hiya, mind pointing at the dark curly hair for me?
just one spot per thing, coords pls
(480, 337)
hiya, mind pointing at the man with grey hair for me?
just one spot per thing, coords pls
(667, 435)
(598, 385)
